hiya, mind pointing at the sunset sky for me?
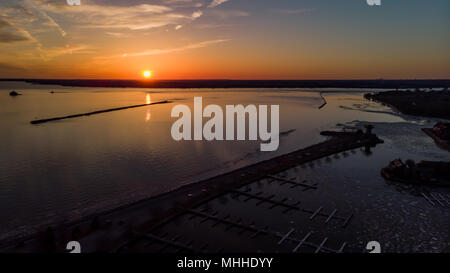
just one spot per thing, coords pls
(233, 39)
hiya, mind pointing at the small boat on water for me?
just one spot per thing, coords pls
(14, 94)
(429, 173)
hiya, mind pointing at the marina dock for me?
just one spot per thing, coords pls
(133, 227)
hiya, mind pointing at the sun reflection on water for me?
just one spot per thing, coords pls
(148, 116)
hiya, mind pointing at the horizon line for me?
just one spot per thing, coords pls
(226, 79)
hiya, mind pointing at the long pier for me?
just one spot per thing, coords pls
(114, 226)
(38, 121)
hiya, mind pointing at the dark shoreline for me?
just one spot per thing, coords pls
(434, 104)
(224, 83)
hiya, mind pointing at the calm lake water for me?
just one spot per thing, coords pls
(62, 170)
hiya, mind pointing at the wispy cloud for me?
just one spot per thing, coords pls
(176, 49)
(292, 11)
(38, 15)
(216, 3)
(184, 3)
(210, 26)
(226, 14)
(26, 15)
(7, 68)
(50, 29)
(49, 20)
(115, 34)
(111, 10)
(197, 14)
(67, 50)
(9, 34)
(130, 17)
(10, 37)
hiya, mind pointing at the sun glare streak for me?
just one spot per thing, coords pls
(148, 99)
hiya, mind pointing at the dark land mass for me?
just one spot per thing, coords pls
(431, 173)
(441, 134)
(435, 104)
(377, 84)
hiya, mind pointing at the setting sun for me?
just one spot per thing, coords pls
(147, 74)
